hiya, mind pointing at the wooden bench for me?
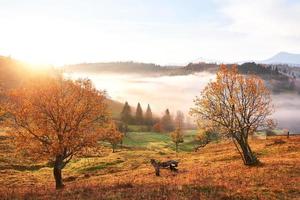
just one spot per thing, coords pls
(171, 164)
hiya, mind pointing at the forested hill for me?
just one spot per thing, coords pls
(142, 68)
(13, 72)
(279, 78)
(148, 68)
(275, 75)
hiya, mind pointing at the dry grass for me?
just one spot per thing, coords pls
(215, 172)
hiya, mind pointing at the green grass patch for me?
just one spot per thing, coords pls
(138, 128)
(159, 141)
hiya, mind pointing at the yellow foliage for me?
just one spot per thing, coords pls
(112, 135)
(236, 106)
(234, 103)
(177, 136)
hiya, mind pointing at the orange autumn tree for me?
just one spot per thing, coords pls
(157, 127)
(177, 137)
(112, 135)
(56, 118)
(177, 134)
(236, 106)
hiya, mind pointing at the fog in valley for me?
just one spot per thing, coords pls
(178, 92)
(287, 111)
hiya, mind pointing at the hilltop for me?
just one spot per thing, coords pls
(13, 73)
(284, 58)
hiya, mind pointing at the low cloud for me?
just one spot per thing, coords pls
(178, 92)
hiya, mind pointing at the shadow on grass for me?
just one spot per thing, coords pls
(24, 167)
(100, 166)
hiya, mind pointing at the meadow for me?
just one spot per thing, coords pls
(159, 142)
(214, 172)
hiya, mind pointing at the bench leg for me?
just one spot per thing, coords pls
(157, 171)
(172, 168)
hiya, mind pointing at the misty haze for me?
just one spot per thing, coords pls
(178, 92)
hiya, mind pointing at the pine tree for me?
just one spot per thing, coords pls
(126, 116)
(139, 115)
(167, 122)
(148, 116)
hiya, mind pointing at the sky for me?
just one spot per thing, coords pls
(164, 32)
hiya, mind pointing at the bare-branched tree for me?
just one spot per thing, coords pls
(236, 106)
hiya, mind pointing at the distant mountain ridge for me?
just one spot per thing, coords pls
(142, 68)
(280, 77)
(284, 58)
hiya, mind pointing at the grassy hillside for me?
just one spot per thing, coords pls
(215, 172)
(11, 72)
(14, 72)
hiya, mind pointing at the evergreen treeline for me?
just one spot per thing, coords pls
(139, 118)
(164, 124)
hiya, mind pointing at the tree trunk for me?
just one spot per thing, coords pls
(248, 156)
(114, 146)
(58, 165)
(176, 147)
